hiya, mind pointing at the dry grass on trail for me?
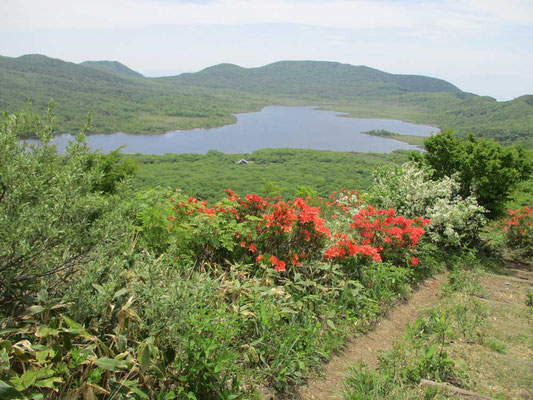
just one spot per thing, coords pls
(499, 363)
(367, 347)
(502, 366)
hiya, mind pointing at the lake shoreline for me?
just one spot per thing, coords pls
(302, 127)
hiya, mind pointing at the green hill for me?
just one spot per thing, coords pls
(112, 67)
(117, 102)
(121, 99)
(313, 78)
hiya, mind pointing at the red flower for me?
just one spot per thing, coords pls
(278, 264)
(414, 261)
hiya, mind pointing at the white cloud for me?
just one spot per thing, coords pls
(418, 16)
(483, 46)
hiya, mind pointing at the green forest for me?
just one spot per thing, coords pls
(122, 100)
(194, 277)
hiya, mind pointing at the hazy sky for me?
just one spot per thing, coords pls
(482, 46)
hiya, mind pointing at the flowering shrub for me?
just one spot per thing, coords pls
(383, 236)
(251, 229)
(518, 229)
(408, 189)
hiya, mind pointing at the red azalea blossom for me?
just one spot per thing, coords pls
(278, 264)
(295, 230)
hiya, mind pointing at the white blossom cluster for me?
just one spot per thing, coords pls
(408, 189)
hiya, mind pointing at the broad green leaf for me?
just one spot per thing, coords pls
(133, 386)
(36, 309)
(99, 288)
(8, 392)
(170, 396)
(73, 324)
(49, 383)
(120, 293)
(109, 364)
(144, 357)
(45, 331)
(28, 378)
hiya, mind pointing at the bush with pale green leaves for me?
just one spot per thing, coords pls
(408, 189)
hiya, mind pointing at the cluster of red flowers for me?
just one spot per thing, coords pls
(287, 233)
(282, 232)
(386, 226)
(521, 216)
(518, 228)
(381, 233)
(348, 248)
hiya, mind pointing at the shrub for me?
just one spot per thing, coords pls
(485, 169)
(54, 213)
(407, 188)
(518, 230)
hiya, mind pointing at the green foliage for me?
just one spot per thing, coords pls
(380, 132)
(53, 214)
(484, 168)
(529, 298)
(49, 355)
(205, 176)
(455, 222)
(113, 170)
(114, 295)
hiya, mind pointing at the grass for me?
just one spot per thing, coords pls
(485, 329)
(278, 171)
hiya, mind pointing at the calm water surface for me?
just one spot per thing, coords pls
(273, 127)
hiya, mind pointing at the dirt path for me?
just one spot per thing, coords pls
(366, 348)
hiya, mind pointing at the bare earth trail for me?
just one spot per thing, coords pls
(366, 348)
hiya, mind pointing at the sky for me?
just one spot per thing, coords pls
(481, 46)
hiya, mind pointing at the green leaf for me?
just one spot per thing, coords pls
(48, 383)
(331, 324)
(144, 357)
(132, 385)
(99, 288)
(73, 324)
(8, 392)
(41, 356)
(36, 309)
(45, 331)
(28, 378)
(170, 396)
(120, 292)
(4, 359)
(109, 364)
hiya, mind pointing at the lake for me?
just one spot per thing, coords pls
(272, 127)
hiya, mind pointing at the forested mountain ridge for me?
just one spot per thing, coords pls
(113, 67)
(313, 78)
(121, 99)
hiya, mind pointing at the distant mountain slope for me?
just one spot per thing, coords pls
(117, 101)
(113, 67)
(121, 99)
(321, 78)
